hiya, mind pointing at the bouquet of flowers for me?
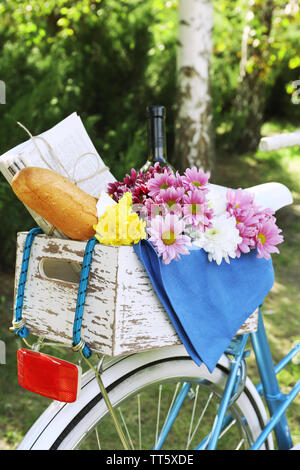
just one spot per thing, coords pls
(178, 212)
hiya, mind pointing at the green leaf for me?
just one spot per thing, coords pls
(294, 62)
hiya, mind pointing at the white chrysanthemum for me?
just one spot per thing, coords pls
(216, 201)
(221, 240)
(192, 232)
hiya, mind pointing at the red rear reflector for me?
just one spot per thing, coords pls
(48, 376)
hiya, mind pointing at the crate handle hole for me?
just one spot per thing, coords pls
(60, 270)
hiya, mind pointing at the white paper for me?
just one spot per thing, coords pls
(103, 203)
(69, 140)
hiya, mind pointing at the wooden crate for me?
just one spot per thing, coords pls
(122, 312)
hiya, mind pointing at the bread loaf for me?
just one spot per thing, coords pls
(57, 200)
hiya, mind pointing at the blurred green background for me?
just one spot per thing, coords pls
(109, 59)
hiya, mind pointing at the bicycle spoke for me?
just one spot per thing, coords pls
(240, 444)
(168, 414)
(126, 428)
(233, 422)
(205, 441)
(195, 398)
(227, 428)
(158, 414)
(139, 420)
(98, 440)
(201, 417)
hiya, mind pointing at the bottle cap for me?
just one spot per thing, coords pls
(156, 111)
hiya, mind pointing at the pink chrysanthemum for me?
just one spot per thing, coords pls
(160, 181)
(179, 181)
(238, 200)
(196, 211)
(171, 198)
(247, 235)
(166, 235)
(240, 204)
(154, 208)
(246, 223)
(263, 215)
(257, 227)
(268, 236)
(194, 177)
(163, 197)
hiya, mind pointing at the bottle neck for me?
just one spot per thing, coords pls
(157, 149)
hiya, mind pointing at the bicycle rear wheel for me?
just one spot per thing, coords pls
(144, 388)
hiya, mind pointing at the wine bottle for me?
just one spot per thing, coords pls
(156, 131)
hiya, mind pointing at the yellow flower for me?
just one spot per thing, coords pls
(120, 225)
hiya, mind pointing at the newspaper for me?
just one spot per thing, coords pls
(67, 149)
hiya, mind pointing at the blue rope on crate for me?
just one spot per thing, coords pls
(84, 277)
(19, 327)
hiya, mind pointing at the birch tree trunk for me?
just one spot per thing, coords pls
(194, 130)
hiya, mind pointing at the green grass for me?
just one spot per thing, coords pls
(19, 408)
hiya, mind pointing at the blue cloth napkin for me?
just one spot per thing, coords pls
(207, 303)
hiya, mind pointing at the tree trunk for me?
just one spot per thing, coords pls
(194, 130)
(250, 98)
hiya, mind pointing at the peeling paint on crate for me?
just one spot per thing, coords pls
(122, 313)
(51, 248)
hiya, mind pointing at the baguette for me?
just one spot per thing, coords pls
(58, 200)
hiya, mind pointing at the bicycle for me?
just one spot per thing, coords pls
(231, 405)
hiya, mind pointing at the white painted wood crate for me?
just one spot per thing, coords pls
(122, 311)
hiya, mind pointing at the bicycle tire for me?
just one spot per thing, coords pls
(63, 426)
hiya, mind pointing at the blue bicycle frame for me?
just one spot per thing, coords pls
(277, 401)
